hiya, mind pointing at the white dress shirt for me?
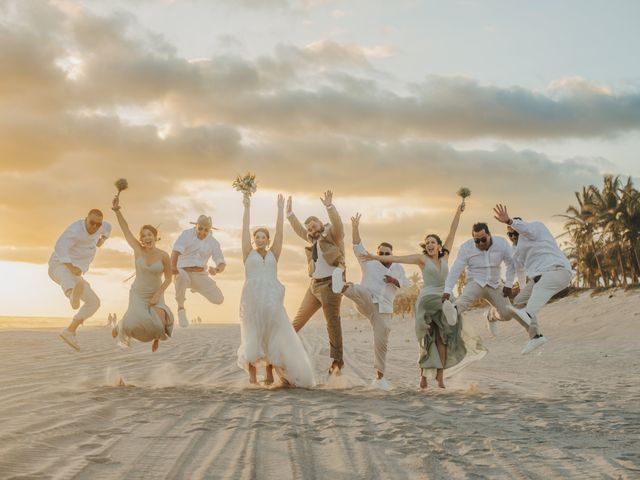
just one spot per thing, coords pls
(322, 269)
(195, 252)
(537, 250)
(483, 267)
(77, 247)
(373, 273)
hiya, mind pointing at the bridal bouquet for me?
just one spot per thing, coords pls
(121, 185)
(246, 184)
(464, 192)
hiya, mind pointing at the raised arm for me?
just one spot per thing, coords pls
(523, 228)
(448, 244)
(128, 236)
(276, 246)
(298, 228)
(334, 216)
(355, 229)
(417, 259)
(246, 228)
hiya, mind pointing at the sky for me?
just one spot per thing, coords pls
(392, 105)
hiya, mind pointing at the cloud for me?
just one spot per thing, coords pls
(299, 117)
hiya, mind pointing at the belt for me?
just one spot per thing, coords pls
(322, 280)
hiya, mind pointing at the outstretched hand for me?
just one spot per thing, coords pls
(115, 204)
(461, 207)
(289, 205)
(367, 257)
(280, 201)
(355, 220)
(327, 199)
(501, 213)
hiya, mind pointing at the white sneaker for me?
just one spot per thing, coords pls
(381, 384)
(533, 344)
(76, 293)
(182, 317)
(450, 313)
(492, 325)
(70, 339)
(337, 283)
(522, 315)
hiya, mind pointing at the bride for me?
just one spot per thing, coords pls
(267, 336)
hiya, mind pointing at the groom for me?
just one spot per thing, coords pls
(326, 262)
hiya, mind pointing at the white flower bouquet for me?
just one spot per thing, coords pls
(246, 184)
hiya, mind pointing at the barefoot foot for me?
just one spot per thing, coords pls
(423, 382)
(155, 345)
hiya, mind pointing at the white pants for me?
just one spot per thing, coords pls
(60, 274)
(472, 291)
(199, 282)
(534, 295)
(380, 322)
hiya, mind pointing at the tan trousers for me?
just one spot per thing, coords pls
(67, 280)
(199, 282)
(380, 322)
(319, 294)
(472, 291)
(534, 295)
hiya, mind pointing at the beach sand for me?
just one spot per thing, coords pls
(570, 410)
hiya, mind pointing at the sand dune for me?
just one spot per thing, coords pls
(187, 412)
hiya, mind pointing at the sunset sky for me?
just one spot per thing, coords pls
(393, 105)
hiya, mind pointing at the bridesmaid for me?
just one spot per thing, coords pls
(441, 345)
(147, 319)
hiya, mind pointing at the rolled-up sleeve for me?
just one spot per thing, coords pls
(216, 252)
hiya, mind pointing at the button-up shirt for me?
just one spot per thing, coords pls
(195, 252)
(77, 247)
(537, 250)
(373, 273)
(483, 267)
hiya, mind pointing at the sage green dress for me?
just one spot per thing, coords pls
(140, 321)
(462, 348)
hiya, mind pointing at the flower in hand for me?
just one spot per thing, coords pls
(246, 184)
(121, 184)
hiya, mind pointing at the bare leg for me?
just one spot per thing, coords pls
(442, 353)
(73, 326)
(252, 374)
(163, 317)
(269, 380)
(423, 381)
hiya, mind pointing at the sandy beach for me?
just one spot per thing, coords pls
(571, 410)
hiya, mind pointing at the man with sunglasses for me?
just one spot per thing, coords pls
(74, 251)
(546, 266)
(374, 297)
(189, 262)
(483, 256)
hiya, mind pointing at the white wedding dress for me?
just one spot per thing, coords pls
(266, 334)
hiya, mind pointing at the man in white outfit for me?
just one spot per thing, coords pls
(374, 297)
(189, 262)
(74, 251)
(483, 256)
(492, 315)
(547, 269)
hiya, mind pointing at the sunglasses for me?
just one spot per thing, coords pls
(203, 229)
(383, 254)
(481, 240)
(512, 234)
(95, 224)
